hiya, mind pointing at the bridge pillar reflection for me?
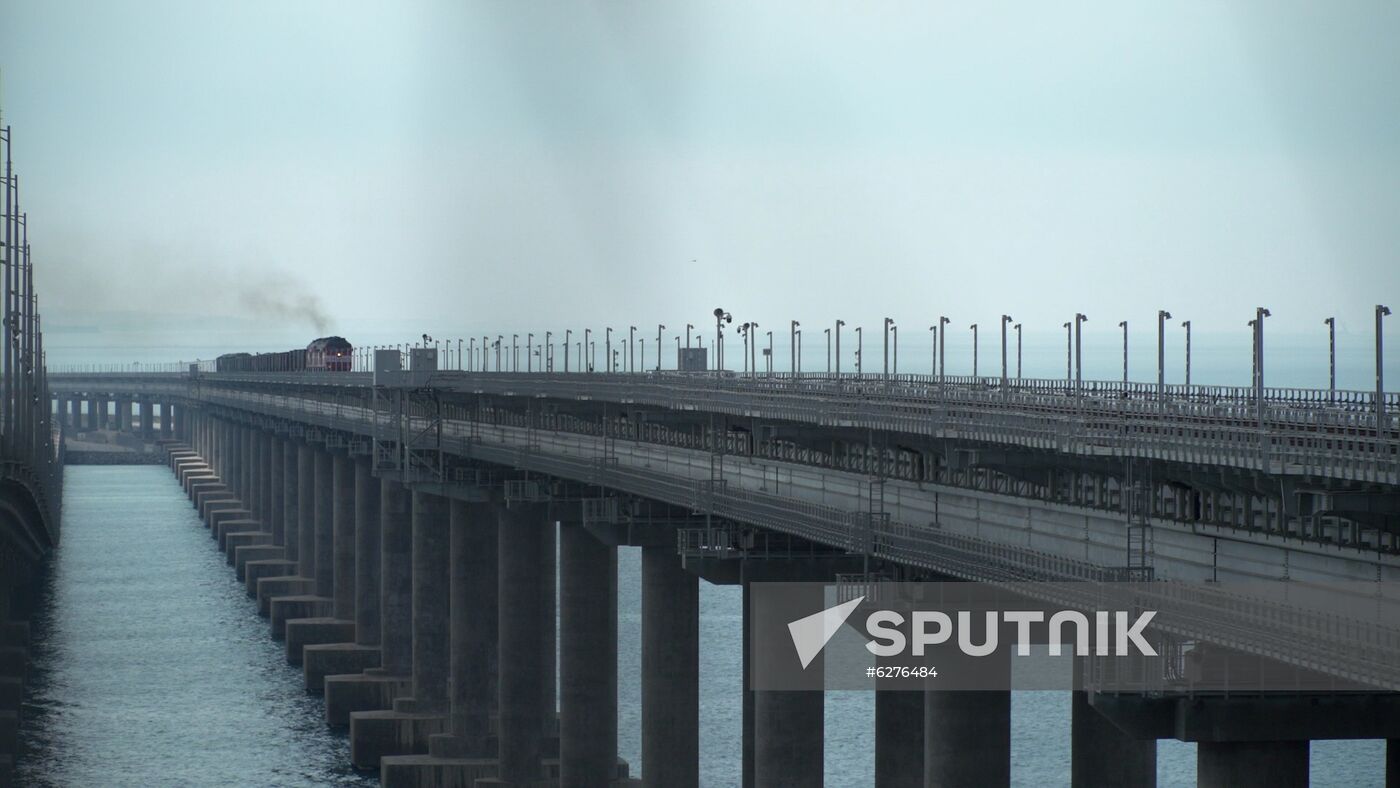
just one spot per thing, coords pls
(670, 670)
(1271, 764)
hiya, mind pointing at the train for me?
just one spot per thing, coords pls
(326, 354)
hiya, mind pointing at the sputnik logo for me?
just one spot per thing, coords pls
(810, 634)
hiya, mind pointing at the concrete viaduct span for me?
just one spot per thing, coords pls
(399, 534)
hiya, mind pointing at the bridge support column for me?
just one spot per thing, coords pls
(521, 724)
(1392, 763)
(1275, 764)
(102, 406)
(670, 672)
(266, 442)
(375, 730)
(92, 413)
(147, 419)
(332, 648)
(587, 660)
(789, 730)
(899, 738)
(276, 489)
(76, 415)
(367, 557)
(343, 526)
(306, 510)
(967, 737)
(1101, 752)
(323, 508)
(167, 421)
(431, 543)
(255, 464)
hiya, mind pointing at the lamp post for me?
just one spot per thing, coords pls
(1259, 314)
(799, 350)
(1331, 354)
(828, 350)
(860, 345)
(471, 354)
(1069, 353)
(933, 351)
(894, 338)
(1381, 312)
(587, 348)
(529, 352)
(744, 332)
(839, 323)
(1162, 317)
(1186, 324)
(500, 340)
(974, 351)
(549, 352)
(1124, 325)
(1005, 321)
(753, 349)
(1079, 320)
(769, 364)
(514, 352)
(659, 329)
(688, 328)
(721, 317)
(942, 345)
(632, 349)
(793, 331)
(607, 349)
(889, 321)
(1018, 350)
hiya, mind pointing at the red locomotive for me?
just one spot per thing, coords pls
(327, 354)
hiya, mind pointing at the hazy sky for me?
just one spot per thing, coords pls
(472, 167)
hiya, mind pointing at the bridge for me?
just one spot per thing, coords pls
(398, 528)
(31, 462)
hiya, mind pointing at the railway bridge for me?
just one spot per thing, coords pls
(401, 528)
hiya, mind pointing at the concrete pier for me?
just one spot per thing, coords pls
(306, 511)
(323, 498)
(967, 737)
(431, 543)
(899, 738)
(1102, 754)
(331, 647)
(671, 672)
(587, 659)
(522, 643)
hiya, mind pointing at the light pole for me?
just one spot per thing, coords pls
(659, 329)
(1331, 353)
(974, 351)
(860, 345)
(607, 349)
(567, 336)
(1259, 314)
(549, 351)
(894, 339)
(588, 348)
(1186, 324)
(933, 351)
(721, 317)
(500, 340)
(514, 352)
(889, 321)
(632, 349)
(1381, 312)
(529, 352)
(828, 351)
(753, 349)
(1124, 325)
(839, 323)
(769, 365)
(942, 345)
(1162, 317)
(1069, 353)
(1079, 320)
(1005, 321)
(688, 328)
(793, 328)
(471, 354)
(1018, 350)
(744, 332)
(799, 350)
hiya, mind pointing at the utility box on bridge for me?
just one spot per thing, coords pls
(691, 359)
(388, 367)
(422, 363)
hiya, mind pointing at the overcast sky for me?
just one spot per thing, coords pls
(493, 167)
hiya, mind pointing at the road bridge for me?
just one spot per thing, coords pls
(364, 511)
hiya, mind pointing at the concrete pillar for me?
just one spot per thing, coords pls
(265, 488)
(670, 673)
(102, 408)
(343, 520)
(1392, 763)
(147, 420)
(124, 414)
(1275, 764)
(367, 558)
(521, 607)
(247, 459)
(167, 420)
(788, 727)
(323, 506)
(475, 612)
(587, 659)
(291, 531)
(277, 489)
(76, 406)
(430, 602)
(1101, 754)
(899, 738)
(306, 511)
(92, 413)
(254, 501)
(967, 737)
(396, 579)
